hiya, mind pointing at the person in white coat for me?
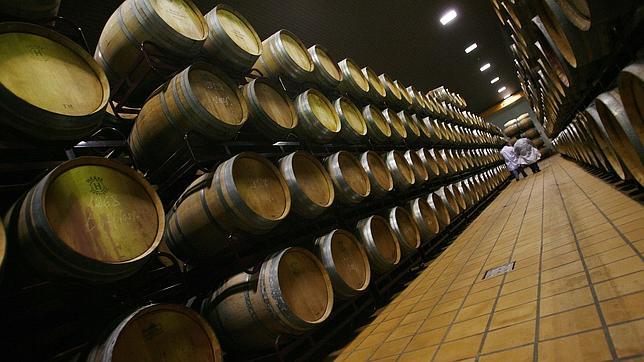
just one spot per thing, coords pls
(512, 161)
(526, 153)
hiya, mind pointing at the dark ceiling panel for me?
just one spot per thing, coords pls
(401, 38)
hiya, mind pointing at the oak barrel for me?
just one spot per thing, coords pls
(420, 172)
(50, 88)
(326, 72)
(318, 120)
(625, 135)
(376, 90)
(599, 133)
(232, 41)
(290, 294)
(405, 228)
(285, 56)
(353, 128)
(349, 178)
(353, 81)
(398, 131)
(177, 29)
(378, 129)
(346, 261)
(245, 195)
(431, 166)
(200, 101)
(405, 100)
(440, 209)
(380, 242)
(270, 110)
(401, 171)
(90, 219)
(392, 93)
(631, 89)
(425, 218)
(413, 133)
(3, 247)
(379, 176)
(309, 183)
(159, 332)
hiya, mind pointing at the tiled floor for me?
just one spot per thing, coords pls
(576, 293)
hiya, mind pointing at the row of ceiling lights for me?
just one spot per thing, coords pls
(447, 18)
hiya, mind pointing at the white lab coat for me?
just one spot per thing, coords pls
(525, 153)
(511, 159)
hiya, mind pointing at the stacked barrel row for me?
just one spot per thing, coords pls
(609, 134)
(523, 126)
(293, 292)
(561, 47)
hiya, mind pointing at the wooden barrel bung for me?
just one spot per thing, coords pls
(405, 228)
(353, 81)
(290, 294)
(392, 93)
(429, 162)
(285, 56)
(353, 128)
(159, 332)
(626, 137)
(380, 242)
(425, 218)
(631, 90)
(378, 129)
(346, 261)
(270, 110)
(36, 63)
(201, 101)
(379, 175)
(398, 130)
(177, 29)
(413, 133)
(326, 72)
(232, 41)
(376, 89)
(245, 195)
(309, 183)
(420, 172)
(401, 171)
(90, 219)
(318, 120)
(349, 178)
(440, 209)
(31, 9)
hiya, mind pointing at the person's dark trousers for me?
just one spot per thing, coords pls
(534, 167)
(522, 170)
(515, 173)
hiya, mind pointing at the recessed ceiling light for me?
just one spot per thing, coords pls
(470, 48)
(485, 67)
(501, 89)
(507, 96)
(448, 17)
(494, 80)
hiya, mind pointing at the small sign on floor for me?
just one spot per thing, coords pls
(499, 270)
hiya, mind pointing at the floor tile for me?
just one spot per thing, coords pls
(588, 346)
(628, 338)
(573, 321)
(508, 337)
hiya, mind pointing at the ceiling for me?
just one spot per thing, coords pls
(402, 38)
